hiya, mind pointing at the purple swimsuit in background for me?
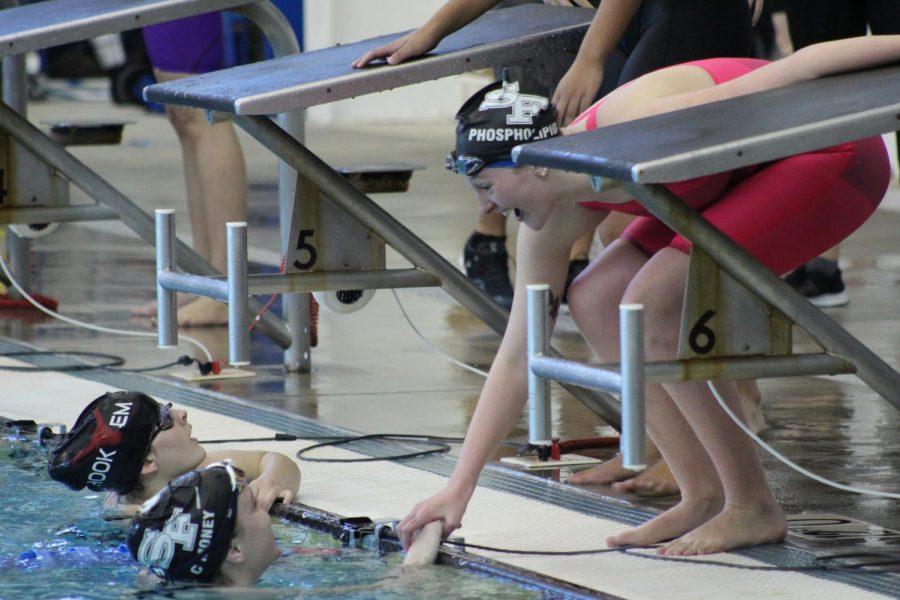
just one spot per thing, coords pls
(191, 45)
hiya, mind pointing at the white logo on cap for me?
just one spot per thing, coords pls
(525, 107)
(158, 547)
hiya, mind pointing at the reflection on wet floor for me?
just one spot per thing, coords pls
(372, 373)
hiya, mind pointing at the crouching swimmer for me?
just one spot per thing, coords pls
(767, 209)
(130, 445)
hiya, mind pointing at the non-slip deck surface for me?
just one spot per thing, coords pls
(385, 490)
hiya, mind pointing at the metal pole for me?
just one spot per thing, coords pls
(295, 306)
(539, 422)
(166, 305)
(401, 239)
(238, 322)
(632, 441)
(14, 86)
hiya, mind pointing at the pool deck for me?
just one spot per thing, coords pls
(833, 426)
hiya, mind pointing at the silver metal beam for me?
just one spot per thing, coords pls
(56, 214)
(748, 271)
(401, 239)
(166, 304)
(238, 323)
(633, 441)
(540, 427)
(132, 216)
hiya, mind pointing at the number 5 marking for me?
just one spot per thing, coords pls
(302, 244)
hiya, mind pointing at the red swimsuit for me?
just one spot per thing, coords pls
(785, 212)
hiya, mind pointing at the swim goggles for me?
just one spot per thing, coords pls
(464, 164)
(165, 421)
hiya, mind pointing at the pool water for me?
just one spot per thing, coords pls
(55, 543)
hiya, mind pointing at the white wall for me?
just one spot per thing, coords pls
(328, 22)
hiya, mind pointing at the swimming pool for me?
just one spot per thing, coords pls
(56, 544)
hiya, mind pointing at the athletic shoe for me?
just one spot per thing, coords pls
(820, 282)
(487, 266)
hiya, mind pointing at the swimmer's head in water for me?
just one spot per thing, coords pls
(106, 448)
(184, 532)
(498, 118)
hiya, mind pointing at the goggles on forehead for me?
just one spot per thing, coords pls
(464, 164)
(236, 475)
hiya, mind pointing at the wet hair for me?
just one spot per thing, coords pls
(502, 115)
(183, 533)
(107, 445)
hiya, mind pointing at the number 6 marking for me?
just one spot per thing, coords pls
(700, 332)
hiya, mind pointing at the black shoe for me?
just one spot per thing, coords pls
(576, 266)
(820, 282)
(487, 265)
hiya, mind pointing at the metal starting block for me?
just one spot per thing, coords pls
(380, 178)
(722, 318)
(88, 132)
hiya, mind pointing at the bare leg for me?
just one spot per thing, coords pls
(581, 248)
(750, 515)
(216, 182)
(594, 301)
(600, 280)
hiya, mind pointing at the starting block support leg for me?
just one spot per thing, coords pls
(370, 215)
(633, 439)
(166, 304)
(772, 289)
(238, 321)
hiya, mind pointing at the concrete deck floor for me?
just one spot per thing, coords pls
(373, 374)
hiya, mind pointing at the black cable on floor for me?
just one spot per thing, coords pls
(112, 361)
(880, 562)
(440, 447)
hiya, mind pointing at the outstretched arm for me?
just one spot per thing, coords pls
(542, 257)
(272, 475)
(811, 62)
(580, 84)
(454, 15)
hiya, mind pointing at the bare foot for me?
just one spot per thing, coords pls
(656, 480)
(734, 527)
(678, 520)
(205, 312)
(611, 470)
(149, 309)
(604, 473)
(751, 403)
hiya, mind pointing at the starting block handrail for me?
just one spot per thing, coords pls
(629, 383)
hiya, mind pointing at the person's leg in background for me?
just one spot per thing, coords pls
(810, 22)
(214, 170)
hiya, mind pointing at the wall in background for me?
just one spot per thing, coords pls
(330, 22)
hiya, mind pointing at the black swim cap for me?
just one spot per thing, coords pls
(184, 532)
(106, 448)
(502, 115)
